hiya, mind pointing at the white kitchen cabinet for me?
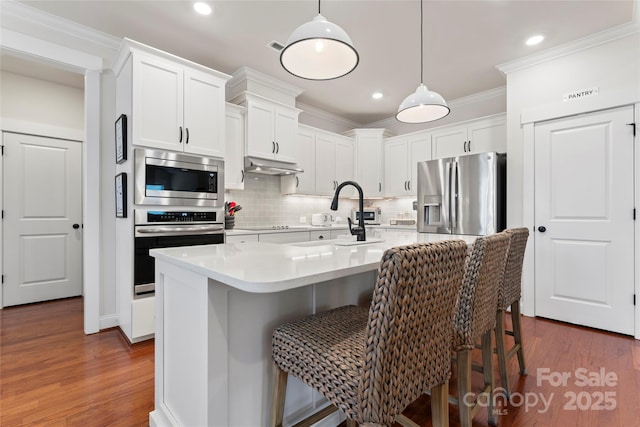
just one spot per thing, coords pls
(176, 107)
(234, 150)
(370, 160)
(401, 156)
(326, 158)
(284, 237)
(474, 137)
(272, 130)
(241, 238)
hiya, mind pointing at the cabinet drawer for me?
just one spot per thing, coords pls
(241, 238)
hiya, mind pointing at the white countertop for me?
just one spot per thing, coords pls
(265, 230)
(266, 267)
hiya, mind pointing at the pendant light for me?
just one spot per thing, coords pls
(319, 50)
(423, 105)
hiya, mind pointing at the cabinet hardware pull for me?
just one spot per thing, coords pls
(180, 140)
(321, 237)
(297, 182)
(277, 147)
(242, 180)
(469, 145)
(405, 186)
(187, 139)
(409, 185)
(273, 146)
(379, 187)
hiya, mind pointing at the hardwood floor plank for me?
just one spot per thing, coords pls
(51, 374)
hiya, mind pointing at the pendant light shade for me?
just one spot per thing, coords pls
(319, 50)
(423, 105)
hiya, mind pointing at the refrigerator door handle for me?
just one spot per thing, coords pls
(453, 205)
(447, 197)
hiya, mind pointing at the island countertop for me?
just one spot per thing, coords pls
(266, 267)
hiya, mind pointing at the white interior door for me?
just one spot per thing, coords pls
(584, 270)
(42, 247)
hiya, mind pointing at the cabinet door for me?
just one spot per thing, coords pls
(419, 150)
(395, 167)
(487, 136)
(325, 164)
(204, 114)
(305, 154)
(241, 238)
(286, 133)
(449, 142)
(157, 103)
(345, 165)
(234, 152)
(370, 165)
(260, 133)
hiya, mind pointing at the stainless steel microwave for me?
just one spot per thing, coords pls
(174, 179)
(371, 215)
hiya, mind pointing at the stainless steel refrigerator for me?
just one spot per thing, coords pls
(462, 195)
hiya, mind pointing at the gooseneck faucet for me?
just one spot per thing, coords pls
(359, 230)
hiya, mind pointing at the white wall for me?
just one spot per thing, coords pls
(38, 101)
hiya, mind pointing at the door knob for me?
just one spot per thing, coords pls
(542, 229)
(76, 226)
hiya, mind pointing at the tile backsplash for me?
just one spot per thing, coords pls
(264, 206)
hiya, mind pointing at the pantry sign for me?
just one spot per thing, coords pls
(579, 94)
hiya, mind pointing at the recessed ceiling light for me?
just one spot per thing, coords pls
(534, 40)
(377, 95)
(202, 8)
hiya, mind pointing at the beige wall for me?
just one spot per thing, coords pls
(38, 101)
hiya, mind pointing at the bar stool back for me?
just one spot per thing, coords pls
(372, 363)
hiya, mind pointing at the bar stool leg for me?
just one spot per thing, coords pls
(517, 335)
(440, 405)
(351, 423)
(502, 351)
(277, 396)
(487, 371)
(463, 360)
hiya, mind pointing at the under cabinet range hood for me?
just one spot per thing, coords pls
(270, 167)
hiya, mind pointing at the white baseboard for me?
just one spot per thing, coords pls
(109, 321)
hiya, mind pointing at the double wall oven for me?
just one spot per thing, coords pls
(179, 201)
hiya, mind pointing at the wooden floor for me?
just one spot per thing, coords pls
(51, 374)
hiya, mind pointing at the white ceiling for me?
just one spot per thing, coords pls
(463, 40)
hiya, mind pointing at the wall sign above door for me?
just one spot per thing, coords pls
(579, 94)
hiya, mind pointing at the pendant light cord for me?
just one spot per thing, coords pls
(421, 42)
(319, 7)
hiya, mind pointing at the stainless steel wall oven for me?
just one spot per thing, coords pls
(163, 229)
(174, 179)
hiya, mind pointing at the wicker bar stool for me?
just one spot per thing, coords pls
(509, 296)
(372, 363)
(475, 320)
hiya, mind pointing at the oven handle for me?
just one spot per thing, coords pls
(177, 231)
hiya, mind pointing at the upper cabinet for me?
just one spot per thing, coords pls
(474, 137)
(234, 150)
(370, 160)
(174, 104)
(401, 157)
(327, 160)
(272, 129)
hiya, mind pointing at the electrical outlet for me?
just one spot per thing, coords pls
(303, 220)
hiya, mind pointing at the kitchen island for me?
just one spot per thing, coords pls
(217, 305)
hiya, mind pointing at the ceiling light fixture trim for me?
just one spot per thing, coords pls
(423, 105)
(319, 50)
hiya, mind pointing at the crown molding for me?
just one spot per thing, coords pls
(242, 74)
(17, 15)
(326, 116)
(575, 46)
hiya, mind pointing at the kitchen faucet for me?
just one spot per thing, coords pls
(359, 230)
